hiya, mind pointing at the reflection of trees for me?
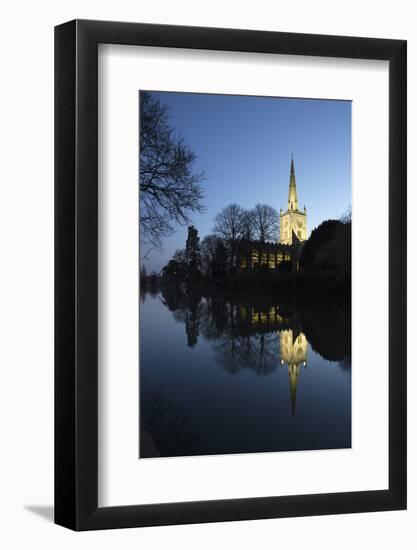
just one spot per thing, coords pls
(256, 333)
(228, 352)
(328, 329)
(237, 344)
(215, 317)
(244, 331)
(257, 352)
(192, 323)
(186, 307)
(264, 356)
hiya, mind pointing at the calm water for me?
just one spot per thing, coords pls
(250, 374)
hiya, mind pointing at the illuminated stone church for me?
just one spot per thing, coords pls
(293, 222)
(287, 249)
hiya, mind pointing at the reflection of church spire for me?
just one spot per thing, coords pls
(292, 192)
(293, 372)
(293, 351)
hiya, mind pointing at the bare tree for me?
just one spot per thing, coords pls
(248, 225)
(228, 224)
(248, 235)
(265, 223)
(169, 187)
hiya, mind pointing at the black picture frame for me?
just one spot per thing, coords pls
(76, 272)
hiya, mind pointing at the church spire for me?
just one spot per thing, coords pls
(292, 193)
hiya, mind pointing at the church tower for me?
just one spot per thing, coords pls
(293, 222)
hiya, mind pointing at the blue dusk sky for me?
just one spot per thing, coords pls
(244, 146)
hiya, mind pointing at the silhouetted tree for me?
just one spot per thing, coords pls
(338, 254)
(228, 224)
(176, 269)
(328, 250)
(173, 271)
(248, 225)
(208, 253)
(192, 254)
(219, 268)
(265, 222)
(248, 235)
(169, 187)
(180, 257)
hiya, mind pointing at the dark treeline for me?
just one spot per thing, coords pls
(328, 249)
(216, 257)
(323, 261)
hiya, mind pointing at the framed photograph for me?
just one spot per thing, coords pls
(230, 253)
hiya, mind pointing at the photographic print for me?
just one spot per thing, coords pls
(245, 274)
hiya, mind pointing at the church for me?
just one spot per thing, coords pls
(285, 253)
(293, 222)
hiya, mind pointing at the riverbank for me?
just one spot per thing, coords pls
(301, 285)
